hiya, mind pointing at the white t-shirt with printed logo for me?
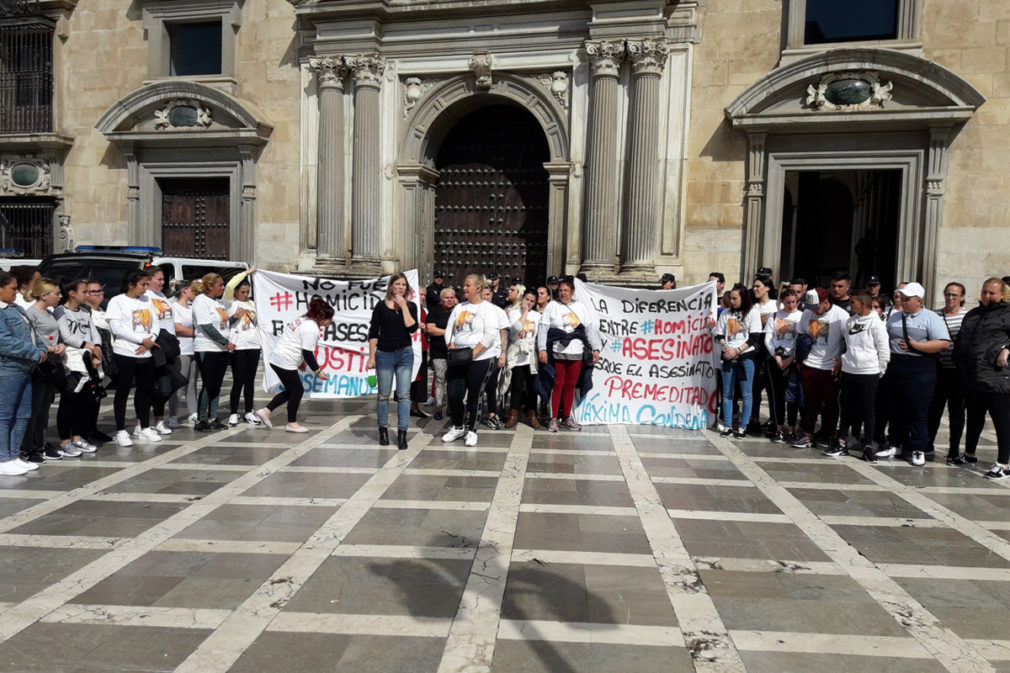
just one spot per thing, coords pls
(567, 317)
(471, 324)
(162, 310)
(245, 333)
(184, 316)
(131, 320)
(301, 334)
(212, 312)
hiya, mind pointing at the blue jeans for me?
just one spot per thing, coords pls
(387, 363)
(15, 412)
(737, 372)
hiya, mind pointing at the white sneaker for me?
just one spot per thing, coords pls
(430, 401)
(251, 419)
(69, 450)
(471, 438)
(918, 458)
(85, 446)
(162, 429)
(295, 428)
(192, 419)
(123, 438)
(264, 415)
(30, 467)
(233, 420)
(454, 434)
(11, 468)
(887, 453)
(150, 435)
(137, 430)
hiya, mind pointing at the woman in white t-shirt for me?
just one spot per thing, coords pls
(296, 347)
(738, 331)
(163, 314)
(473, 324)
(212, 328)
(182, 319)
(762, 290)
(566, 315)
(522, 360)
(780, 342)
(245, 360)
(132, 322)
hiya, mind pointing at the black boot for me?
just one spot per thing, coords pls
(401, 439)
(383, 436)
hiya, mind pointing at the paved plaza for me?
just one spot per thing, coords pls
(618, 549)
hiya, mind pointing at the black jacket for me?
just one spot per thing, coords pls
(984, 333)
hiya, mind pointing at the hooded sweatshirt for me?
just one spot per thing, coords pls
(866, 347)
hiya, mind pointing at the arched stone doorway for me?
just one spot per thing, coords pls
(491, 210)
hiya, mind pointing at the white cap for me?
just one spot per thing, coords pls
(913, 290)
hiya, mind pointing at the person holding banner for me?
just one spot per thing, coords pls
(474, 341)
(391, 354)
(738, 331)
(568, 328)
(245, 360)
(213, 346)
(294, 349)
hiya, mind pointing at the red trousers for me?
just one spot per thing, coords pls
(566, 375)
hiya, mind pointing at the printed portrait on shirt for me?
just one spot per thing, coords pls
(247, 321)
(223, 315)
(464, 321)
(142, 319)
(732, 327)
(528, 328)
(818, 328)
(162, 308)
(570, 320)
(784, 327)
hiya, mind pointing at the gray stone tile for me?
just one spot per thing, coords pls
(93, 517)
(421, 527)
(975, 507)
(197, 482)
(660, 444)
(352, 585)
(971, 609)
(550, 440)
(927, 546)
(830, 470)
(730, 539)
(276, 652)
(540, 656)
(259, 522)
(324, 457)
(561, 592)
(561, 463)
(581, 532)
(64, 477)
(715, 498)
(458, 460)
(425, 487)
(26, 570)
(691, 467)
(309, 485)
(249, 454)
(577, 492)
(795, 662)
(857, 503)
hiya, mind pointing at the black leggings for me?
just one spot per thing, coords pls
(43, 395)
(491, 387)
(244, 364)
(948, 393)
(213, 365)
(858, 402)
(292, 393)
(524, 394)
(75, 415)
(998, 407)
(130, 371)
(467, 381)
(778, 381)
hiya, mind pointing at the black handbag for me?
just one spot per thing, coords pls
(459, 357)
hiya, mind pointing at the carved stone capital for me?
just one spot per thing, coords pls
(648, 57)
(329, 71)
(367, 69)
(605, 57)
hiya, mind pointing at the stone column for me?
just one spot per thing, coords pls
(366, 180)
(754, 246)
(243, 245)
(331, 249)
(599, 235)
(639, 234)
(936, 186)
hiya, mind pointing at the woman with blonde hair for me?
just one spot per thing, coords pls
(391, 354)
(49, 376)
(474, 340)
(212, 345)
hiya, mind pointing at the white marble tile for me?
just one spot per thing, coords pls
(548, 556)
(286, 501)
(431, 472)
(768, 565)
(357, 624)
(133, 615)
(573, 477)
(596, 510)
(230, 546)
(582, 632)
(455, 505)
(59, 541)
(701, 481)
(404, 551)
(829, 643)
(756, 517)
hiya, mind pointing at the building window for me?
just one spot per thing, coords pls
(26, 78)
(851, 21)
(196, 48)
(26, 225)
(813, 23)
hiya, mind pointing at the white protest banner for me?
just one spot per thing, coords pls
(656, 364)
(343, 346)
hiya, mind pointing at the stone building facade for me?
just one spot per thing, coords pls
(624, 138)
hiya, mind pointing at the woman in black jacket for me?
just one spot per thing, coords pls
(391, 355)
(981, 354)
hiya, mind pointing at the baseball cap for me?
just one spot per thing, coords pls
(913, 290)
(873, 280)
(439, 273)
(822, 294)
(553, 280)
(493, 276)
(668, 278)
(764, 271)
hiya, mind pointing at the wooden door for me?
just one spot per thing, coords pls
(491, 197)
(195, 218)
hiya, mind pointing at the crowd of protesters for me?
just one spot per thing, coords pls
(879, 375)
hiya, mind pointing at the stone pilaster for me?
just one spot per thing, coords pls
(639, 233)
(366, 181)
(936, 186)
(330, 239)
(599, 235)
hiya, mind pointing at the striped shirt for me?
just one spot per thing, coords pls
(953, 323)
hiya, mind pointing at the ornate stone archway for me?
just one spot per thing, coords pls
(435, 113)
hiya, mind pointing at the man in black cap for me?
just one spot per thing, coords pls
(668, 282)
(552, 285)
(432, 293)
(873, 286)
(499, 294)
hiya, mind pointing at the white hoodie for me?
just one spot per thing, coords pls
(867, 350)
